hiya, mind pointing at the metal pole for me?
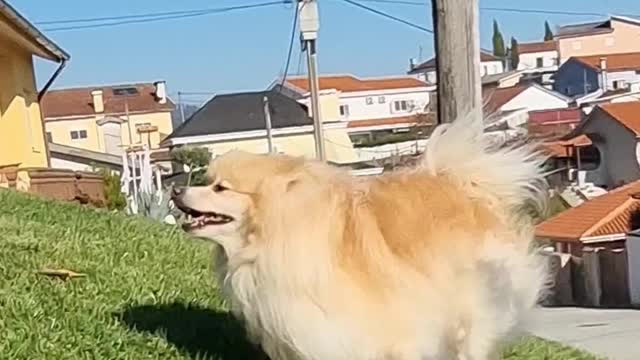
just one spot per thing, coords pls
(267, 120)
(309, 26)
(315, 106)
(126, 112)
(181, 107)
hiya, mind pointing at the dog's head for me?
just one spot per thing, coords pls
(224, 210)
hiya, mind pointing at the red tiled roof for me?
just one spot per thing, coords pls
(349, 83)
(78, 101)
(615, 62)
(569, 115)
(609, 214)
(626, 113)
(495, 98)
(565, 148)
(534, 47)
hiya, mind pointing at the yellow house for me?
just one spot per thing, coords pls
(107, 119)
(239, 122)
(22, 140)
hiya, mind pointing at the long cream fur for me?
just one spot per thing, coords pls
(433, 262)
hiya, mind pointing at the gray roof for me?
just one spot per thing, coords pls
(583, 28)
(494, 78)
(243, 112)
(23, 24)
(83, 155)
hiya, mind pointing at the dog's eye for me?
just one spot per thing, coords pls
(219, 188)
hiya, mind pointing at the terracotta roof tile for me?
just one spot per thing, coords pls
(626, 113)
(78, 101)
(534, 47)
(553, 116)
(608, 214)
(615, 62)
(565, 148)
(349, 83)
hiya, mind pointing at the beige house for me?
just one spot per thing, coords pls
(618, 34)
(106, 119)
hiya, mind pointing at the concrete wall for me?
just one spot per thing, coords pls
(21, 136)
(529, 61)
(633, 258)
(617, 146)
(623, 39)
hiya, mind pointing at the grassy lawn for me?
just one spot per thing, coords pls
(148, 293)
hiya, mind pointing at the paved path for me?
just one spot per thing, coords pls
(614, 334)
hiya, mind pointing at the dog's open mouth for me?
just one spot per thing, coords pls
(196, 219)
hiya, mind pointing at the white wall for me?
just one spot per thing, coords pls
(491, 68)
(486, 68)
(530, 60)
(535, 99)
(66, 164)
(360, 110)
(628, 76)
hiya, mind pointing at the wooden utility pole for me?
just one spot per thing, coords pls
(457, 46)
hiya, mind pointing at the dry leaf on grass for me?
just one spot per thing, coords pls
(61, 273)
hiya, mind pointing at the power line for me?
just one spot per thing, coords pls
(497, 9)
(292, 38)
(541, 11)
(388, 16)
(140, 19)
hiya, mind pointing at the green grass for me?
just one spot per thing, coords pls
(149, 292)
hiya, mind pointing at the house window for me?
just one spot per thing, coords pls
(539, 62)
(619, 84)
(381, 100)
(49, 136)
(78, 134)
(577, 45)
(344, 110)
(369, 100)
(609, 41)
(402, 105)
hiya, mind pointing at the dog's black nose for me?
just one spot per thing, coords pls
(177, 191)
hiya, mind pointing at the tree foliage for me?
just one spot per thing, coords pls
(197, 159)
(548, 34)
(498, 41)
(515, 54)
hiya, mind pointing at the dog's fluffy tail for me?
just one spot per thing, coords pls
(511, 175)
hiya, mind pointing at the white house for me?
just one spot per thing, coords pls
(426, 71)
(538, 56)
(528, 96)
(352, 99)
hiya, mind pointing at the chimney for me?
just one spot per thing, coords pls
(161, 91)
(98, 101)
(603, 74)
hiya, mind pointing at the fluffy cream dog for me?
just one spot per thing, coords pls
(432, 262)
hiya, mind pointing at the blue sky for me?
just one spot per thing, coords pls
(245, 50)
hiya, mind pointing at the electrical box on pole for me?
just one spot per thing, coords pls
(308, 19)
